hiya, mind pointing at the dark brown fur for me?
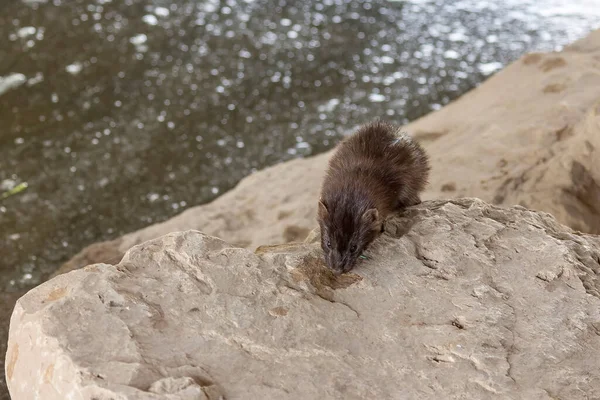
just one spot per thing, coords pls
(376, 171)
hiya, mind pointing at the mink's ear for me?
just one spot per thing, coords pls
(323, 212)
(371, 218)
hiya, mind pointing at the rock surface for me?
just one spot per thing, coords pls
(7, 302)
(529, 135)
(458, 299)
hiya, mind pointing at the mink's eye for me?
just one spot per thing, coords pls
(353, 248)
(328, 244)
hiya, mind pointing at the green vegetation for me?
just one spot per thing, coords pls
(16, 190)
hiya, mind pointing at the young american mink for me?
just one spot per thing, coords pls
(376, 171)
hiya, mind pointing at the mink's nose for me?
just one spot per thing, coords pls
(342, 266)
(347, 267)
(337, 268)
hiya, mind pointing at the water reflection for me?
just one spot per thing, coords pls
(120, 114)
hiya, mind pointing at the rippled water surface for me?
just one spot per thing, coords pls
(119, 114)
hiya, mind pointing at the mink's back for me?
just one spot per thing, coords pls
(380, 162)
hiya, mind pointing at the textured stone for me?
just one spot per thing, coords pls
(7, 302)
(458, 299)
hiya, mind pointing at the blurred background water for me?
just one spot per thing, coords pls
(119, 114)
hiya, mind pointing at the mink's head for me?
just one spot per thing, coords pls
(346, 233)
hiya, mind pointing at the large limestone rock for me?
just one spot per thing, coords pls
(529, 135)
(458, 300)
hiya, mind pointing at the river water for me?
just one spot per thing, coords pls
(118, 114)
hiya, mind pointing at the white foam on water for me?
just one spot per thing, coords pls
(489, 68)
(161, 11)
(39, 77)
(26, 31)
(150, 19)
(453, 54)
(74, 68)
(376, 97)
(11, 81)
(138, 39)
(329, 106)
